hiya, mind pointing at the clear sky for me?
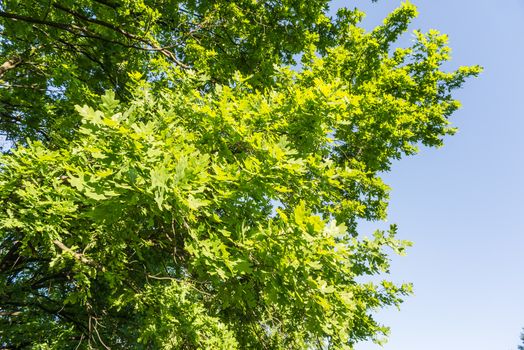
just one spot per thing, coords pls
(462, 204)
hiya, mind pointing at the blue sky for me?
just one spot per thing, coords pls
(462, 204)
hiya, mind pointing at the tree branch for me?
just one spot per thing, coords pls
(9, 64)
(153, 46)
(57, 25)
(80, 31)
(78, 256)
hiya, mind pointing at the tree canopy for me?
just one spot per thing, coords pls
(176, 184)
(73, 49)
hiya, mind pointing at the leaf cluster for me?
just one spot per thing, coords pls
(201, 212)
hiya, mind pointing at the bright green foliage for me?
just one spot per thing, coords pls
(221, 214)
(75, 49)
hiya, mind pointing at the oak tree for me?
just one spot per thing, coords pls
(178, 184)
